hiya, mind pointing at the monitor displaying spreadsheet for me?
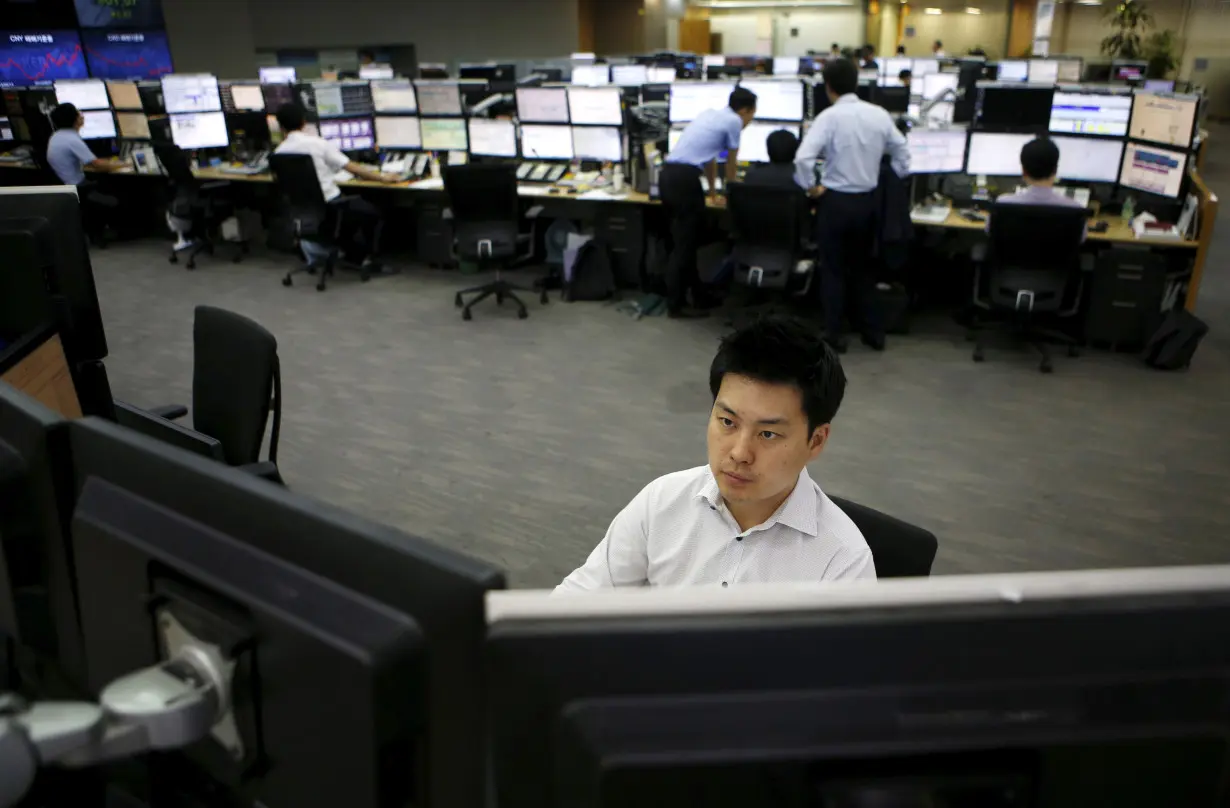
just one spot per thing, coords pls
(691, 98)
(83, 94)
(937, 151)
(603, 143)
(1169, 119)
(777, 100)
(438, 98)
(1089, 159)
(936, 84)
(132, 125)
(248, 97)
(1077, 113)
(1043, 71)
(191, 93)
(542, 104)
(124, 95)
(546, 142)
(277, 75)
(394, 96)
(1013, 70)
(995, 154)
(349, 134)
(199, 130)
(99, 124)
(591, 75)
(493, 137)
(596, 106)
(1152, 169)
(443, 134)
(754, 144)
(630, 75)
(398, 132)
(786, 65)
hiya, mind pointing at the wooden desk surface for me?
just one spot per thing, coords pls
(1118, 231)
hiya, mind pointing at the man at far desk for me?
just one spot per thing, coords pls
(753, 514)
(852, 136)
(713, 131)
(329, 160)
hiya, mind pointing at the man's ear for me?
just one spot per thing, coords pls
(819, 439)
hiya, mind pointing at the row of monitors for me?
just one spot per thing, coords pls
(33, 59)
(1139, 166)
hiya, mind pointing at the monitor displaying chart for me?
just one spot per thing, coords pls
(127, 54)
(438, 98)
(1169, 119)
(38, 58)
(1152, 169)
(398, 132)
(777, 100)
(937, 151)
(191, 93)
(394, 96)
(444, 134)
(754, 144)
(1089, 159)
(1077, 113)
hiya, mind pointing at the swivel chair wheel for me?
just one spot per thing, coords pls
(174, 259)
(191, 264)
(1073, 351)
(544, 298)
(365, 277)
(465, 315)
(320, 287)
(521, 315)
(287, 281)
(978, 357)
(499, 300)
(1046, 367)
(457, 301)
(237, 259)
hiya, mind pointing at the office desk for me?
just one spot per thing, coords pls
(1118, 232)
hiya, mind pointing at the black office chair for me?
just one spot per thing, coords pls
(771, 242)
(485, 210)
(318, 225)
(900, 550)
(236, 381)
(202, 207)
(1032, 271)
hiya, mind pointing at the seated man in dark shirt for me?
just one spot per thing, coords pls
(779, 171)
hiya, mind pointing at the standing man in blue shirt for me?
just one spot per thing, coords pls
(713, 132)
(852, 136)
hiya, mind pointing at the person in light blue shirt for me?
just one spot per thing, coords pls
(67, 153)
(852, 136)
(713, 132)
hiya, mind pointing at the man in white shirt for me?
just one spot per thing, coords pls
(937, 50)
(753, 514)
(329, 160)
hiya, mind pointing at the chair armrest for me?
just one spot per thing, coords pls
(169, 411)
(265, 470)
(534, 212)
(447, 214)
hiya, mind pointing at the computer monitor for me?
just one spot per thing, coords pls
(1159, 85)
(438, 98)
(398, 132)
(995, 154)
(868, 75)
(630, 75)
(191, 93)
(1015, 107)
(596, 106)
(713, 60)
(936, 84)
(1083, 113)
(1050, 689)
(357, 98)
(151, 98)
(489, 72)
(937, 151)
(328, 100)
(1089, 159)
(124, 95)
(754, 143)
(786, 65)
(83, 94)
(690, 98)
(925, 67)
(1168, 119)
(893, 66)
(277, 96)
(127, 54)
(38, 58)
(141, 500)
(45, 224)
(349, 134)
(1153, 169)
(247, 98)
(99, 125)
(394, 96)
(604, 143)
(1070, 70)
(546, 142)
(132, 125)
(200, 130)
(493, 137)
(277, 75)
(542, 104)
(443, 134)
(375, 72)
(1128, 70)
(777, 100)
(250, 129)
(662, 75)
(1013, 70)
(591, 75)
(893, 99)
(1043, 71)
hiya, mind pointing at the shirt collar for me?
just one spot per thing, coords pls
(798, 511)
(848, 98)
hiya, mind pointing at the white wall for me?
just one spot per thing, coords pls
(957, 30)
(817, 29)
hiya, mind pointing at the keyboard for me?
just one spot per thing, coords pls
(935, 214)
(243, 171)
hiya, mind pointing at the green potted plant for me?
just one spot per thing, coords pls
(1161, 51)
(1129, 19)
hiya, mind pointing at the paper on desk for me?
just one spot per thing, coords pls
(429, 184)
(600, 194)
(534, 190)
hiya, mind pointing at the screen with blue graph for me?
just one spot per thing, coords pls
(127, 54)
(119, 13)
(30, 58)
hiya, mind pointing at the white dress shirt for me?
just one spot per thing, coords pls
(851, 136)
(328, 159)
(678, 532)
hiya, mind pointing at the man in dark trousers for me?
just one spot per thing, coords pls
(852, 136)
(713, 132)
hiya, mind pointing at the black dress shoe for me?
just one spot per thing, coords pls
(838, 343)
(686, 313)
(874, 341)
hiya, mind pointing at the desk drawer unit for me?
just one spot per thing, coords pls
(1126, 298)
(623, 228)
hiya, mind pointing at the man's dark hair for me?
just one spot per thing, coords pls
(742, 98)
(64, 116)
(901, 50)
(292, 117)
(834, 47)
(869, 49)
(785, 350)
(905, 74)
(841, 76)
(783, 145)
(368, 55)
(937, 44)
(1040, 158)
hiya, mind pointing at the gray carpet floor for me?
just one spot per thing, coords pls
(518, 441)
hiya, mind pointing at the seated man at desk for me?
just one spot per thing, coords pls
(1039, 168)
(782, 146)
(330, 160)
(69, 157)
(753, 514)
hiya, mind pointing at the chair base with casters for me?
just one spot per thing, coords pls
(500, 289)
(317, 259)
(1040, 339)
(1020, 305)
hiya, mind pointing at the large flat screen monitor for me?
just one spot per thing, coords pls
(493, 138)
(604, 143)
(83, 94)
(690, 98)
(444, 134)
(38, 58)
(595, 106)
(542, 104)
(1084, 113)
(754, 143)
(995, 154)
(937, 151)
(780, 100)
(200, 130)
(191, 93)
(127, 54)
(1168, 119)
(1153, 169)
(1088, 159)
(546, 142)
(398, 132)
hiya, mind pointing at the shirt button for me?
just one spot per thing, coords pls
(713, 507)
(723, 584)
(738, 538)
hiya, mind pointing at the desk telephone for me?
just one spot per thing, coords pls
(405, 164)
(541, 172)
(141, 156)
(256, 164)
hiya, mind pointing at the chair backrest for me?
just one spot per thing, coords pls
(296, 179)
(765, 216)
(483, 193)
(235, 376)
(900, 550)
(176, 163)
(1036, 236)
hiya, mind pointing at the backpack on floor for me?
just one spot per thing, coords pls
(1174, 344)
(592, 276)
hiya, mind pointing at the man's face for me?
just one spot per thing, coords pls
(759, 440)
(80, 121)
(747, 115)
